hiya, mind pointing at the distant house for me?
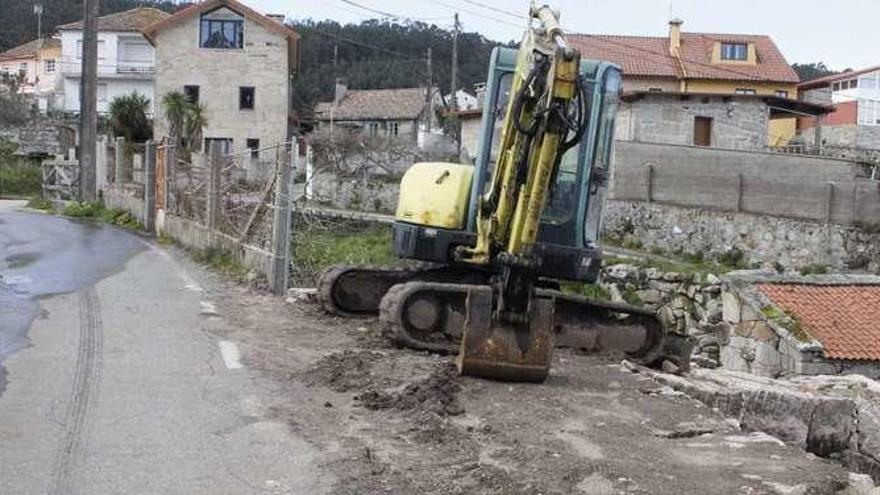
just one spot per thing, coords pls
(463, 100)
(855, 96)
(391, 113)
(126, 62)
(700, 64)
(34, 65)
(236, 62)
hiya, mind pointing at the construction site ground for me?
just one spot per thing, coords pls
(388, 420)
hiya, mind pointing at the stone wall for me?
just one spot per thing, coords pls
(737, 123)
(757, 239)
(40, 137)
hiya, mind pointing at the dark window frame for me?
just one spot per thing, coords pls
(221, 34)
(247, 98)
(734, 51)
(192, 93)
(253, 145)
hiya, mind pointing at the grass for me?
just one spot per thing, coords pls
(97, 211)
(787, 320)
(593, 291)
(222, 261)
(814, 269)
(316, 248)
(40, 203)
(20, 178)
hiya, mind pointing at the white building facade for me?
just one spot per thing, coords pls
(126, 61)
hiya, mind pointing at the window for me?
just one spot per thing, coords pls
(393, 128)
(702, 131)
(50, 66)
(745, 91)
(655, 90)
(844, 85)
(254, 146)
(836, 87)
(373, 128)
(223, 29)
(135, 51)
(224, 143)
(101, 49)
(192, 94)
(782, 93)
(734, 51)
(854, 83)
(246, 98)
(23, 70)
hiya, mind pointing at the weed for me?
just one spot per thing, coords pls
(40, 203)
(83, 209)
(221, 260)
(814, 269)
(593, 291)
(632, 298)
(734, 258)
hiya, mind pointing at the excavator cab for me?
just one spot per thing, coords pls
(571, 221)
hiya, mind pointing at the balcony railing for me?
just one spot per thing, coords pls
(106, 68)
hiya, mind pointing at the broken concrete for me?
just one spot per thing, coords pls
(836, 417)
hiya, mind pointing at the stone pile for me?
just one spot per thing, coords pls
(687, 303)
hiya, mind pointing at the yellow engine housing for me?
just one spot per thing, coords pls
(435, 194)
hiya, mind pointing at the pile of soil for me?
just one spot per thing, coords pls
(344, 371)
(438, 393)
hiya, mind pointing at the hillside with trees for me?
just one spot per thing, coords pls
(382, 54)
(18, 24)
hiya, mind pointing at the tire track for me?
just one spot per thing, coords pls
(83, 394)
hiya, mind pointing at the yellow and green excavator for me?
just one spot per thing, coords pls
(501, 236)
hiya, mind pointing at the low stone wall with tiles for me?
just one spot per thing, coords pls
(761, 240)
(757, 337)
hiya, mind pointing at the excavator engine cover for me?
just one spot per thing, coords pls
(519, 352)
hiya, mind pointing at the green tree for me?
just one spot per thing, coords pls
(128, 118)
(813, 70)
(186, 121)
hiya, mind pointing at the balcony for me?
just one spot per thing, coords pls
(120, 69)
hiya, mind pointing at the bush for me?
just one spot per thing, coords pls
(20, 178)
(83, 209)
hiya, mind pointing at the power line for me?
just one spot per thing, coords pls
(359, 43)
(477, 14)
(494, 9)
(393, 16)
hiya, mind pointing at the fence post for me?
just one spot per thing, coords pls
(829, 201)
(150, 186)
(310, 173)
(278, 277)
(213, 186)
(170, 162)
(739, 193)
(649, 182)
(100, 165)
(120, 160)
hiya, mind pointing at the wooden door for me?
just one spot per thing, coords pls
(702, 131)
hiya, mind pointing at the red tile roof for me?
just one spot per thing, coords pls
(844, 318)
(129, 20)
(649, 56)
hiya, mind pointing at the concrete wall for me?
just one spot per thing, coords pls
(739, 123)
(262, 64)
(128, 197)
(795, 186)
(762, 240)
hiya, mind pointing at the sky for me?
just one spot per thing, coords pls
(841, 33)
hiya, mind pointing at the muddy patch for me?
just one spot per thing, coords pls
(438, 394)
(346, 371)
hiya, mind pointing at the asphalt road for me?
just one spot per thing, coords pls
(115, 380)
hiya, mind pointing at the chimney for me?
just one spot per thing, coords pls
(341, 89)
(675, 36)
(279, 18)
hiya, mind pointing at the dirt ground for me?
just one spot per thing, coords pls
(396, 421)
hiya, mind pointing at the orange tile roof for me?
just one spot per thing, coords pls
(649, 56)
(845, 319)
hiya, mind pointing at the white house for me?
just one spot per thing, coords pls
(126, 61)
(235, 62)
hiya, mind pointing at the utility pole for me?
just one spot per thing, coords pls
(88, 101)
(429, 100)
(38, 11)
(455, 122)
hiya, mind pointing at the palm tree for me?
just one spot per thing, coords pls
(196, 121)
(128, 118)
(176, 106)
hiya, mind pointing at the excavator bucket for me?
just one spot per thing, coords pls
(506, 351)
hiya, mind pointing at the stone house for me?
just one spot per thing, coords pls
(237, 63)
(35, 66)
(388, 113)
(733, 121)
(855, 96)
(810, 325)
(700, 63)
(126, 62)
